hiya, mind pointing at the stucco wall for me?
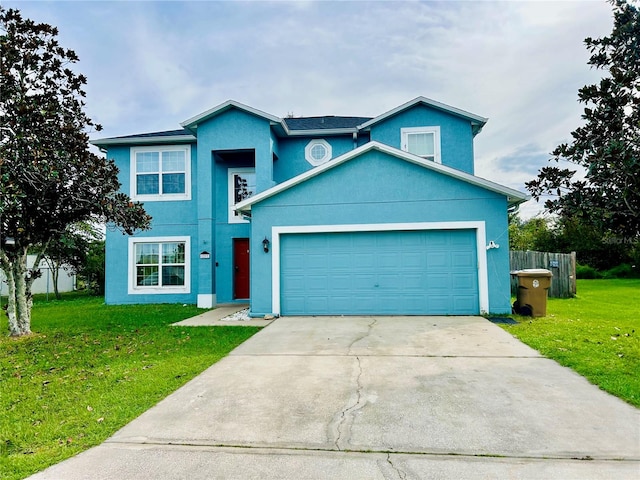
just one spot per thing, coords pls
(169, 218)
(379, 188)
(456, 137)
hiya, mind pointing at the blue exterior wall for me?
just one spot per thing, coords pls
(292, 160)
(456, 136)
(379, 188)
(231, 130)
(169, 218)
(374, 188)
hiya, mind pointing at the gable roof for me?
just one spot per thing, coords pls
(514, 197)
(167, 136)
(302, 126)
(192, 123)
(477, 122)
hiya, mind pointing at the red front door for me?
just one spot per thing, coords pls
(240, 268)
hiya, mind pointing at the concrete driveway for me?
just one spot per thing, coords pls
(375, 398)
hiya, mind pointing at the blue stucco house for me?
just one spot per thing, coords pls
(314, 216)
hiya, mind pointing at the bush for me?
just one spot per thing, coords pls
(587, 272)
(621, 271)
(624, 270)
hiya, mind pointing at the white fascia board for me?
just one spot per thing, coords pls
(193, 121)
(143, 140)
(513, 196)
(427, 101)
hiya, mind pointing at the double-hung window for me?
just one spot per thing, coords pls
(422, 141)
(161, 173)
(242, 185)
(159, 265)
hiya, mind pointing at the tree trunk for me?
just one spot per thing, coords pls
(14, 331)
(19, 281)
(54, 269)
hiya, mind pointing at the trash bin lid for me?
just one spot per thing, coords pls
(534, 272)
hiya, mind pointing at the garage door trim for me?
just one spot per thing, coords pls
(478, 226)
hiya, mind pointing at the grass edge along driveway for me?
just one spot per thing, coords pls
(597, 334)
(90, 369)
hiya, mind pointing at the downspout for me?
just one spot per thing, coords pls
(355, 139)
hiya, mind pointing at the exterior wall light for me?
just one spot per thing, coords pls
(265, 245)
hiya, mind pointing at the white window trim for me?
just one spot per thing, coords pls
(230, 196)
(478, 226)
(161, 197)
(133, 289)
(309, 157)
(435, 130)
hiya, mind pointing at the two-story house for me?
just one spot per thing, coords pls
(314, 216)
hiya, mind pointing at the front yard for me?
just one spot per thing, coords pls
(597, 334)
(89, 370)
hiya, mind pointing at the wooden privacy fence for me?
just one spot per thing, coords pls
(562, 265)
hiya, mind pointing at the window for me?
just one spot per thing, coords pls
(422, 141)
(317, 152)
(160, 173)
(159, 265)
(242, 185)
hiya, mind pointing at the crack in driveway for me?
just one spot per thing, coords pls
(341, 423)
(363, 336)
(340, 427)
(401, 475)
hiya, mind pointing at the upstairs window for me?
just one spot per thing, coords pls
(317, 152)
(422, 141)
(160, 173)
(242, 185)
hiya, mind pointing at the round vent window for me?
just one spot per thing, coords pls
(317, 152)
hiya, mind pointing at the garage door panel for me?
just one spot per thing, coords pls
(412, 260)
(340, 283)
(463, 303)
(364, 260)
(410, 272)
(317, 283)
(339, 261)
(463, 281)
(438, 281)
(438, 260)
(462, 259)
(363, 281)
(413, 281)
(439, 304)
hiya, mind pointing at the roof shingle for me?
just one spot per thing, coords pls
(324, 123)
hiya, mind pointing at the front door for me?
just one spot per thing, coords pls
(240, 268)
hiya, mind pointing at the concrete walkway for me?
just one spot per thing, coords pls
(375, 398)
(217, 317)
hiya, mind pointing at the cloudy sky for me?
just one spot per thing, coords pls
(151, 65)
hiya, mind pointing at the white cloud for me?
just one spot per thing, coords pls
(153, 64)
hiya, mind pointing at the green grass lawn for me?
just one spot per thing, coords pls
(89, 369)
(597, 334)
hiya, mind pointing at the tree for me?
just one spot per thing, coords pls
(70, 250)
(607, 146)
(93, 271)
(48, 177)
(527, 235)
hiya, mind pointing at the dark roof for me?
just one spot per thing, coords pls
(167, 133)
(324, 123)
